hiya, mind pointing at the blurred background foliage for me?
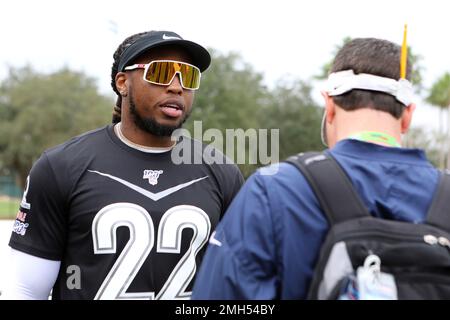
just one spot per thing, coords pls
(40, 110)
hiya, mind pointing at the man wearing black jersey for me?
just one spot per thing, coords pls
(108, 214)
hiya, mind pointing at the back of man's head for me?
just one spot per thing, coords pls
(371, 56)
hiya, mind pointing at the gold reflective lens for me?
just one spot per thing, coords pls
(162, 72)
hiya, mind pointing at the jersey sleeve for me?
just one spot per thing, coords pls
(240, 260)
(40, 224)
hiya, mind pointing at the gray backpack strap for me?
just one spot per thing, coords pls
(332, 187)
(439, 212)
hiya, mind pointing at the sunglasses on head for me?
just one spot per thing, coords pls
(162, 72)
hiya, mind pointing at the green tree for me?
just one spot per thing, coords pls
(293, 111)
(230, 97)
(39, 110)
(439, 96)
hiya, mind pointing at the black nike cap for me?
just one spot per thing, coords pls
(200, 56)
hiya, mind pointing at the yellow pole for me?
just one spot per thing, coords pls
(404, 55)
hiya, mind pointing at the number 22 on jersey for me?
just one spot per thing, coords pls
(142, 237)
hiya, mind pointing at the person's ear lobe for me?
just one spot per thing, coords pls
(406, 118)
(121, 83)
(330, 107)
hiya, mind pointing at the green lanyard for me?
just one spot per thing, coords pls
(373, 136)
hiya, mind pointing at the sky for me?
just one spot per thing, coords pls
(282, 38)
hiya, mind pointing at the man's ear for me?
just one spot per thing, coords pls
(122, 83)
(407, 117)
(330, 107)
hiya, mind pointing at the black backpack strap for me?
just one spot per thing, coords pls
(332, 187)
(439, 212)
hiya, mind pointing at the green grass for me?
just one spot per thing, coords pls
(8, 208)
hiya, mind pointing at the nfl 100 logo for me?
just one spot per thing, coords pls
(152, 176)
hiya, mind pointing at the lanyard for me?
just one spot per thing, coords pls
(373, 136)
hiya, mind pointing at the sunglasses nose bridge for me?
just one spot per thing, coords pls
(162, 70)
(180, 79)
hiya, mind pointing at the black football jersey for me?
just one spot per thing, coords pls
(129, 224)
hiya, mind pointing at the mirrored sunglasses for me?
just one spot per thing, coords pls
(162, 72)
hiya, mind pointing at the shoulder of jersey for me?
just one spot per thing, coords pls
(84, 138)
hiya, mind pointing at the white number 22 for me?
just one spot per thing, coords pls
(141, 242)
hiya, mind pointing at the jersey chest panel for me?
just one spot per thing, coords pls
(141, 236)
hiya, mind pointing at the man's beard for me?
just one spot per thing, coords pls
(150, 125)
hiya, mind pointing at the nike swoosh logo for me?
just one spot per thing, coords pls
(154, 196)
(214, 241)
(169, 37)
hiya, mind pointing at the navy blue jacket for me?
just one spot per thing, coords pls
(268, 242)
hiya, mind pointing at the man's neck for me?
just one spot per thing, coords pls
(143, 138)
(359, 123)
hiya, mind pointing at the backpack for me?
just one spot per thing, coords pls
(364, 257)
